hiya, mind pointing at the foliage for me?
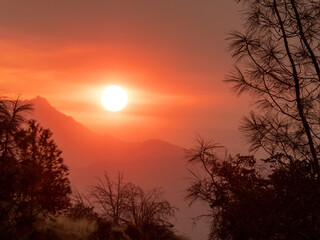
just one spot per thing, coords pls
(246, 201)
(46, 181)
(33, 177)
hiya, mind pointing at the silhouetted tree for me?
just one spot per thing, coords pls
(111, 197)
(143, 213)
(147, 208)
(278, 64)
(248, 201)
(33, 177)
(11, 120)
(232, 189)
(45, 180)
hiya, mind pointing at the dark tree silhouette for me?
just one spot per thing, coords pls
(128, 205)
(33, 177)
(12, 116)
(111, 198)
(11, 120)
(232, 189)
(278, 64)
(148, 208)
(45, 179)
(248, 201)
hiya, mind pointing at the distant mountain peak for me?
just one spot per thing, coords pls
(51, 118)
(41, 103)
(40, 100)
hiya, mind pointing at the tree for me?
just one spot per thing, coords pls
(45, 179)
(278, 64)
(11, 120)
(111, 197)
(232, 189)
(33, 177)
(12, 116)
(248, 201)
(126, 204)
(148, 208)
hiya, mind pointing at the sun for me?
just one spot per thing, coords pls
(114, 98)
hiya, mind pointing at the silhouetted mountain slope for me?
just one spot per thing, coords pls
(153, 163)
(82, 147)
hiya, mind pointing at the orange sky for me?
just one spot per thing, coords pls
(170, 55)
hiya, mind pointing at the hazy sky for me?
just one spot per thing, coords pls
(170, 55)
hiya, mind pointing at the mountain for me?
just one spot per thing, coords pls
(149, 164)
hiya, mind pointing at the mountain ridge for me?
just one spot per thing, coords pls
(151, 163)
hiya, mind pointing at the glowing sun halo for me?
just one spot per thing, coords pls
(114, 98)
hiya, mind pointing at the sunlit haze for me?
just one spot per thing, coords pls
(169, 56)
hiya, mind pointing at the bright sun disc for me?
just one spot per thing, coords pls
(114, 98)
